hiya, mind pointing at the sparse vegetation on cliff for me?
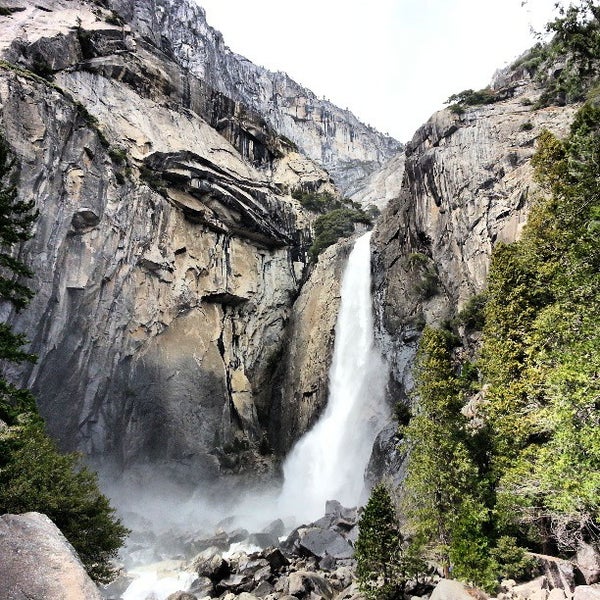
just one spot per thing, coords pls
(568, 66)
(337, 217)
(332, 226)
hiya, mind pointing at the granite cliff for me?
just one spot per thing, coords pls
(467, 186)
(335, 138)
(169, 251)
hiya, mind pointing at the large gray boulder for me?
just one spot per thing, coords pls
(38, 563)
(588, 562)
(321, 542)
(449, 589)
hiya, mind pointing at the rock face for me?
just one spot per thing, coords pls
(381, 186)
(169, 251)
(38, 563)
(467, 186)
(335, 138)
(305, 369)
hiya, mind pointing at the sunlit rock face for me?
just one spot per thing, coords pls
(168, 253)
(467, 186)
(335, 138)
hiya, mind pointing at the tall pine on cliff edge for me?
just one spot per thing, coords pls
(34, 475)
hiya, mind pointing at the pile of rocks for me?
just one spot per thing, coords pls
(313, 561)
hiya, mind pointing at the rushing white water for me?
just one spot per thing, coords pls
(329, 461)
(158, 582)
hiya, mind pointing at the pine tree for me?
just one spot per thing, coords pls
(16, 219)
(444, 490)
(385, 562)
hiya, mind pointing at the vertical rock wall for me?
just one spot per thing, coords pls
(467, 186)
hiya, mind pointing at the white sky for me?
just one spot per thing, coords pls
(391, 62)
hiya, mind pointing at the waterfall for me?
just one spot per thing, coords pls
(330, 460)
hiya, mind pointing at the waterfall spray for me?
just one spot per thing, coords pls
(329, 461)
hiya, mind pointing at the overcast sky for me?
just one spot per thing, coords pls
(392, 62)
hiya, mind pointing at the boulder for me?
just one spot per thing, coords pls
(235, 583)
(303, 584)
(333, 508)
(586, 592)
(182, 596)
(536, 589)
(219, 540)
(238, 535)
(276, 528)
(275, 558)
(588, 563)
(557, 594)
(449, 589)
(202, 587)
(263, 540)
(264, 588)
(37, 561)
(322, 542)
(559, 573)
(211, 564)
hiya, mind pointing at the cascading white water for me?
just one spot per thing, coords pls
(329, 461)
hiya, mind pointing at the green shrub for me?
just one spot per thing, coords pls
(338, 223)
(472, 316)
(35, 476)
(458, 102)
(319, 202)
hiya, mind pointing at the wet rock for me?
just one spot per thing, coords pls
(219, 540)
(322, 542)
(202, 587)
(211, 564)
(263, 540)
(276, 528)
(238, 535)
(235, 583)
(275, 558)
